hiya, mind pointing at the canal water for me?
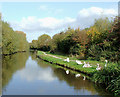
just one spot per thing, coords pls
(25, 74)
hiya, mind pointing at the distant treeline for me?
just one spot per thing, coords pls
(98, 42)
(12, 41)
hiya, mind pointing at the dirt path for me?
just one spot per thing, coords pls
(55, 56)
(52, 56)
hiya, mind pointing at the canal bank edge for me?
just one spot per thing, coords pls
(51, 60)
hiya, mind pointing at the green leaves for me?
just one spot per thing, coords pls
(110, 77)
(44, 42)
(12, 41)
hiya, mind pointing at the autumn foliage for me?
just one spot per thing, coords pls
(98, 42)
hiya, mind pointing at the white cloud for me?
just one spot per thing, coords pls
(87, 16)
(84, 18)
(97, 11)
(33, 24)
(34, 72)
(43, 7)
(50, 10)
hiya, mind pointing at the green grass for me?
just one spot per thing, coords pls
(73, 72)
(71, 64)
(92, 62)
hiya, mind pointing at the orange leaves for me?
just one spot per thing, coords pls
(80, 37)
(21, 32)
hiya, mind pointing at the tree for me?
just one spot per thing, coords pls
(44, 42)
(12, 41)
(34, 44)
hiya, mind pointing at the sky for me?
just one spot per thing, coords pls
(37, 18)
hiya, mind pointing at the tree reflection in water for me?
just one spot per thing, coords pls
(77, 83)
(32, 72)
(12, 63)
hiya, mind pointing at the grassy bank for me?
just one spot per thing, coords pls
(70, 65)
(109, 76)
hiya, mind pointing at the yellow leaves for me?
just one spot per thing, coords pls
(106, 44)
(93, 33)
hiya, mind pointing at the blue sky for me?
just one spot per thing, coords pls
(37, 18)
(16, 11)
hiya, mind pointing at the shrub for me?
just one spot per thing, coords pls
(95, 52)
(109, 77)
(114, 85)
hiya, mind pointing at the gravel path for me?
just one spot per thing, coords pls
(55, 56)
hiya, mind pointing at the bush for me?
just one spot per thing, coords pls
(75, 49)
(113, 56)
(109, 77)
(95, 52)
(114, 86)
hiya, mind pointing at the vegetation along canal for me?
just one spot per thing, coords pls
(24, 73)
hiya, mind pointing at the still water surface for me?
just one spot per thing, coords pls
(24, 74)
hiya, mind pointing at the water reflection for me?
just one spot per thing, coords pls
(24, 74)
(33, 72)
(12, 63)
(82, 87)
